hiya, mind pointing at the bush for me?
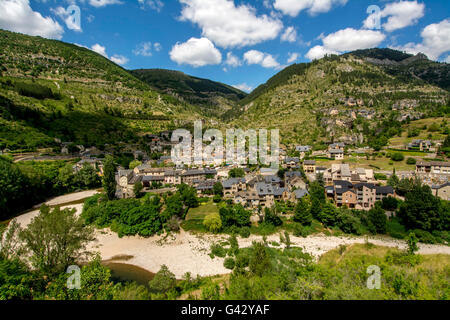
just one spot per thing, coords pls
(398, 157)
(34, 90)
(424, 236)
(229, 263)
(244, 232)
(213, 222)
(218, 251)
(411, 161)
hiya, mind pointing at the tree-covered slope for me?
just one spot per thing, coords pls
(213, 97)
(51, 89)
(406, 66)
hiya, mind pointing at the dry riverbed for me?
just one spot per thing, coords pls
(186, 252)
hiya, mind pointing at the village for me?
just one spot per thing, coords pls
(257, 187)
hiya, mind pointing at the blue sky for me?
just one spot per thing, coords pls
(238, 42)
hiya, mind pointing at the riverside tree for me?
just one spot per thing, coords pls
(56, 239)
(109, 178)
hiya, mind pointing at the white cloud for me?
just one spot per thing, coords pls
(196, 52)
(99, 49)
(435, 41)
(18, 16)
(318, 52)
(400, 15)
(120, 60)
(447, 60)
(294, 7)
(102, 3)
(289, 35)
(145, 49)
(156, 5)
(293, 56)
(350, 39)
(228, 25)
(232, 60)
(264, 59)
(244, 87)
(346, 40)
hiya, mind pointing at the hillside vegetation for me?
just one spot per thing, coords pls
(212, 97)
(339, 98)
(50, 89)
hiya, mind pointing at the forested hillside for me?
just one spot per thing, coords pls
(50, 89)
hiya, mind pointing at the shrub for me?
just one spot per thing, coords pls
(163, 281)
(34, 90)
(398, 157)
(229, 263)
(213, 222)
(244, 232)
(218, 251)
(411, 161)
(424, 236)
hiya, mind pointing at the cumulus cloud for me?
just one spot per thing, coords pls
(318, 52)
(196, 52)
(232, 60)
(400, 15)
(244, 87)
(447, 60)
(228, 25)
(18, 16)
(293, 56)
(156, 5)
(289, 35)
(120, 60)
(98, 48)
(264, 59)
(346, 40)
(435, 41)
(294, 7)
(145, 49)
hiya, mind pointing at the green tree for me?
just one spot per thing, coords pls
(422, 210)
(218, 189)
(137, 189)
(56, 239)
(163, 281)
(15, 190)
(303, 212)
(213, 222)
(236, 173)
(135, 163)
(270, 217)
(109, 177)
(259, 262)
(328, 215)
(412, 241)
(378, 219)
(87, 177)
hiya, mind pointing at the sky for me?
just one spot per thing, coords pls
(239, 42)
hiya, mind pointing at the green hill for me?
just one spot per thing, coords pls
(51, 89)
(213, 97)
(344, 98)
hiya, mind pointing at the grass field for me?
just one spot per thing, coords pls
(195, 216)
(383, 163)
(424, 134)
